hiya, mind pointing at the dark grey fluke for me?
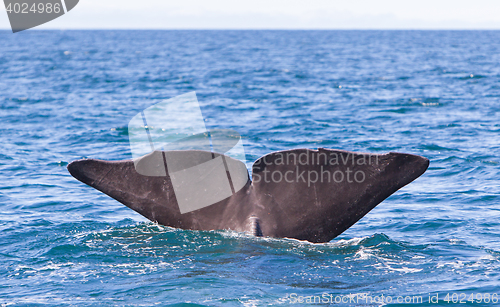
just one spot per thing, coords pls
(292, 207)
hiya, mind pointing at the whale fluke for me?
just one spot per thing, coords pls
(312, 195)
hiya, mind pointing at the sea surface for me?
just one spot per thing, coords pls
(67, 95)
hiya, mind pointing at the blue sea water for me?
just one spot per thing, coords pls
(67, 95)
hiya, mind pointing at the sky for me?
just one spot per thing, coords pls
(277, 14)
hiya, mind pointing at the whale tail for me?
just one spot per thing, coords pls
(305, 194)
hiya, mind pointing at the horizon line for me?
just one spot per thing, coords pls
(258, 29)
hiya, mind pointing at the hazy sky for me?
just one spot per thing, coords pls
(277, 14)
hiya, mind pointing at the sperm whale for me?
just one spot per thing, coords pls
(305, 194)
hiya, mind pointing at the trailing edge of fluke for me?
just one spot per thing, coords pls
(305, 194)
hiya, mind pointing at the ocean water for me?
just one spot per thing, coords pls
(67, 95)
